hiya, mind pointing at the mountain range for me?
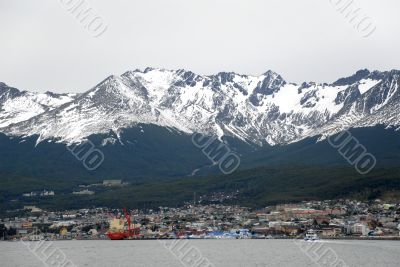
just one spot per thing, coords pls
(143, 122)
(260, 110)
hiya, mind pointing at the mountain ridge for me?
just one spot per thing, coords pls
(262, 109)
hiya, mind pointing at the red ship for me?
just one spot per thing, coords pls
(119, 231)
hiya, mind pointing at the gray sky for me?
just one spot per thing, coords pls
(44, 47)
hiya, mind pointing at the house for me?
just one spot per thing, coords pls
(331, 231)
(83, 192)
(112, 183)
(22, 231)
(359, 229)
(291, 230)
(32, 208)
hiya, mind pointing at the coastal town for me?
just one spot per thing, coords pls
(328, 219)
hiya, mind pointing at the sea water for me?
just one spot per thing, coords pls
(229, 253)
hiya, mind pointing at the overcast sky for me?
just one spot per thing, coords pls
(44, 47)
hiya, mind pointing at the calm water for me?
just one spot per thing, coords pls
(230, 253)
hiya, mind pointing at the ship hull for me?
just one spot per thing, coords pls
(116, 236)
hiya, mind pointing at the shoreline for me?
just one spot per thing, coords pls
(392, 238)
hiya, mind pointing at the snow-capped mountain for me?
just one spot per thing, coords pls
(17, 106)
(375, 100)
(256, 109)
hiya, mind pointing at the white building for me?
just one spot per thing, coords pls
(359, 229)
(83, 192)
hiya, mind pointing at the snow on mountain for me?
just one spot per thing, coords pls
(257, 109)
(17, 106)
(379, 103)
